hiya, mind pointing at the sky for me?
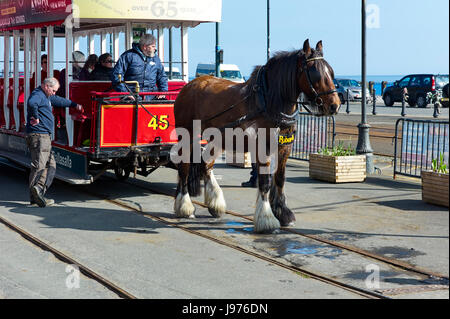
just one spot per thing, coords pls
(411, 36)
(403, 36)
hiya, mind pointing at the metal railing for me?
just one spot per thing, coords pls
(421, 142)
(312, 134)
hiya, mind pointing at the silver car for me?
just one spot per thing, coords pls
(351, 90)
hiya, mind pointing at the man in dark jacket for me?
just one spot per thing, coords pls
(103, 69)
(141, 64)
(40, 126)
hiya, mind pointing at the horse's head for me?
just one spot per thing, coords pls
(316, 81)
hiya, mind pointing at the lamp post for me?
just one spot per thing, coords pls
(364, 147)
(217, 50)
(268, 30)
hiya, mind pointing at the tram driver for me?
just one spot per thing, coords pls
(40, 126)
(141, 64)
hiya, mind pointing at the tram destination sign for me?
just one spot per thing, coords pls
(165, 10)
(15, 13)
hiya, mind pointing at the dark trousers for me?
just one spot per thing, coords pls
(43, 164)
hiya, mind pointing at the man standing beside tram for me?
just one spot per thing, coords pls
(141, 64)
(40, 127)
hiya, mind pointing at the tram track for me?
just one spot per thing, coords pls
(88, 272)
(124, 294)
(305, 273)
(391, 261)
(285, 264)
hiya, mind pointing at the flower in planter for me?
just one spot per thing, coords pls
(339, 150)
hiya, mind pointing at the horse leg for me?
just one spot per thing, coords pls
(214, 198)
(264, 221)
(183, 206)
(277, 197)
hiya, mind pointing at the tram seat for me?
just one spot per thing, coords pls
(10, 103)
(176, 85)
(80, 92)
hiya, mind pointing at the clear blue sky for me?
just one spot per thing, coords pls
(413, 35)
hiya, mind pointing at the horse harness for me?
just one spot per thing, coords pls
(284, 120)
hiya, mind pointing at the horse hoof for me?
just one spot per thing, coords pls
(264, 221)
(183, 207)
(216, 213)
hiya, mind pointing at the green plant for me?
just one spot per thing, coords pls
(439, 167)
(339, 150)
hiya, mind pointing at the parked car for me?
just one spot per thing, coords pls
(418, 86)
(351, 90)
(227, 71)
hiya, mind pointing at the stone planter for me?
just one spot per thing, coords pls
(337, 169)
(435, 188)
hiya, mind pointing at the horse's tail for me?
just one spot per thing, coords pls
(195, 175)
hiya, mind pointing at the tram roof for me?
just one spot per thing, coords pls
(97, 14)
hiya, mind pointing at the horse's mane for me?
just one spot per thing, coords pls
(282, 72)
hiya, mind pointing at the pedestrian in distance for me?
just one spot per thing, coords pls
(103, 69)
(40, 126)
(141, 64)
(253, 178)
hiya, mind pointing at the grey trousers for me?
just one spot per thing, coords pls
(43, 164)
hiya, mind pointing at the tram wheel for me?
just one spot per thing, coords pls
(121, 173)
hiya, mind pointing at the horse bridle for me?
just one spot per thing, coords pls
(316, 100)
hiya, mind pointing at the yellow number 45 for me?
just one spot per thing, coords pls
(162, 123)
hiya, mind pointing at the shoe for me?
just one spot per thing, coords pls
(38, 197)
(250, 183)
(49, 202)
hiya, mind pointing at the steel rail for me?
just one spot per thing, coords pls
(66, 259)
(390, 261)
(323, 278)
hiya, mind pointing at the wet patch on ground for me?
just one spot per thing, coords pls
(397, 252)
(289, 247)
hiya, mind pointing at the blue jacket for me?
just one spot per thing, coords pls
(135, 66)
(39, 106)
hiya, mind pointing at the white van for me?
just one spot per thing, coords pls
(227, 71)
(176, 74)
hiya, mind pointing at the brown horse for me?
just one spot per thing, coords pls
(266, 101)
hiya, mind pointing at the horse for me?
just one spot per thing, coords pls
(267, 100)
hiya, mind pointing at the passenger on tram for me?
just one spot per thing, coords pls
(44, 66)
(88, 67)
(141, 64)
(78, 58)
(40, 127)
(103, 70)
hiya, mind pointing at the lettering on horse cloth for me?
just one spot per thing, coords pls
(286, 139)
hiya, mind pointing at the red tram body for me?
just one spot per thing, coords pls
(110, 133)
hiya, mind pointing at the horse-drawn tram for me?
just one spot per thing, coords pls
(113, 131)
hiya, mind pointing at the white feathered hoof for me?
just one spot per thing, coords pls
(214, 199)
(264, 221)
(183, 206)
